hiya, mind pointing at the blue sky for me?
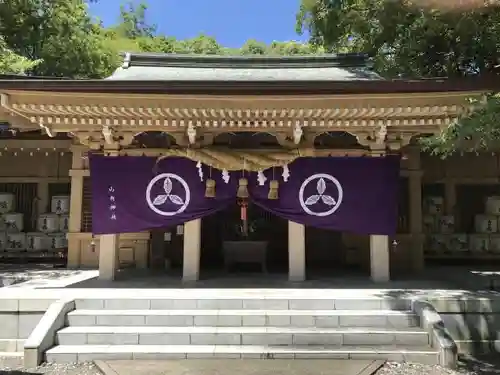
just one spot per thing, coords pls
(231, 22)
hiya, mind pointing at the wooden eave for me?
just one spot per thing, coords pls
(83, 111)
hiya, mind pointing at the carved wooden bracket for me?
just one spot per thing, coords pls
(107, 139)
(287, 140)
(201, 140)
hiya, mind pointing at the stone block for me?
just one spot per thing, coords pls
(363, 321)
(9, 324)
(317, 339)
(112, 338)
(9, 305)
(81, 320)
(110, 356)
(164, 339)
(254, 320)
(220, 304)
(266, 339)
(120, 320)
(302, 321)
(357, 304)
(367, 339)
(27, 323)
(215, 339)
(89, 304)
(185, 304)
(169, 320)
(278, 320)
(326, 321)
(127, 304)
(71, 338)
(35, 305)
(229, 320)
(265, 304)
(311, 304)
(206, 320)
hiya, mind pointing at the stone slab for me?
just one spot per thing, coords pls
(243, 367)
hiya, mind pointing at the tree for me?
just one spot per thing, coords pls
(409, 41)
(11, 63)
(59, 34)
(133, 21)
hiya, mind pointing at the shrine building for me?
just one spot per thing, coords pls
(237, 125)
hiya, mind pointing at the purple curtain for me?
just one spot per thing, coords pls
(132, 194)
(358, 194)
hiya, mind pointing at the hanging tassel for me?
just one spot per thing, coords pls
(242, 188)
(210, 188)
(273, 190)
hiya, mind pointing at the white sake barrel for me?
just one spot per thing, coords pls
(48, 223)
(438, 243)
(63, 223)
(59, 204)
(7, 201)
(446, 224)
(495, 243)
(492, 205)
(37, 241)
(479, 243)
(58, 241)
(486, 224)
(14, 221)
(16, 241)
(434, 205)
(458, 242)
(430, 224)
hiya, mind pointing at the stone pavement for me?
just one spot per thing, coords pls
(241, 367)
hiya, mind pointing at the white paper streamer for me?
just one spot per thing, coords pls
(200, 171)
(261, 178)
(225, 176)
(286, 173)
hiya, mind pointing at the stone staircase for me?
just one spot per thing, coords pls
(141, 328)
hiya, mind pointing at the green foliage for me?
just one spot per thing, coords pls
(407, 41)
(11, 63)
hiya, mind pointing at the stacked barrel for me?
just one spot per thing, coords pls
(12, 237)
(51, 226)
(440, 229)
(486, 238)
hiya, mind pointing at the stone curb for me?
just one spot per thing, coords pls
(104, 368)
(43, 336)
(373, 367)
(431, 321)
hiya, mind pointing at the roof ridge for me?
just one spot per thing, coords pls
(352, 60)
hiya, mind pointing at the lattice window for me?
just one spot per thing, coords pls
(87, 206)
(25, 194)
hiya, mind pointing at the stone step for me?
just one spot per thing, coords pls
(204, 302)
(151, 335)
(235, 318)
(84, 353)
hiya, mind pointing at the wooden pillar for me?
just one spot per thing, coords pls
(296, 251)
(379, 258)
(77, 173)
(192, 250)
(109, 245)
(415, 186)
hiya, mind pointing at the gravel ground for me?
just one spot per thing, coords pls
(467, 366)
(13, 366)
(13, 274)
